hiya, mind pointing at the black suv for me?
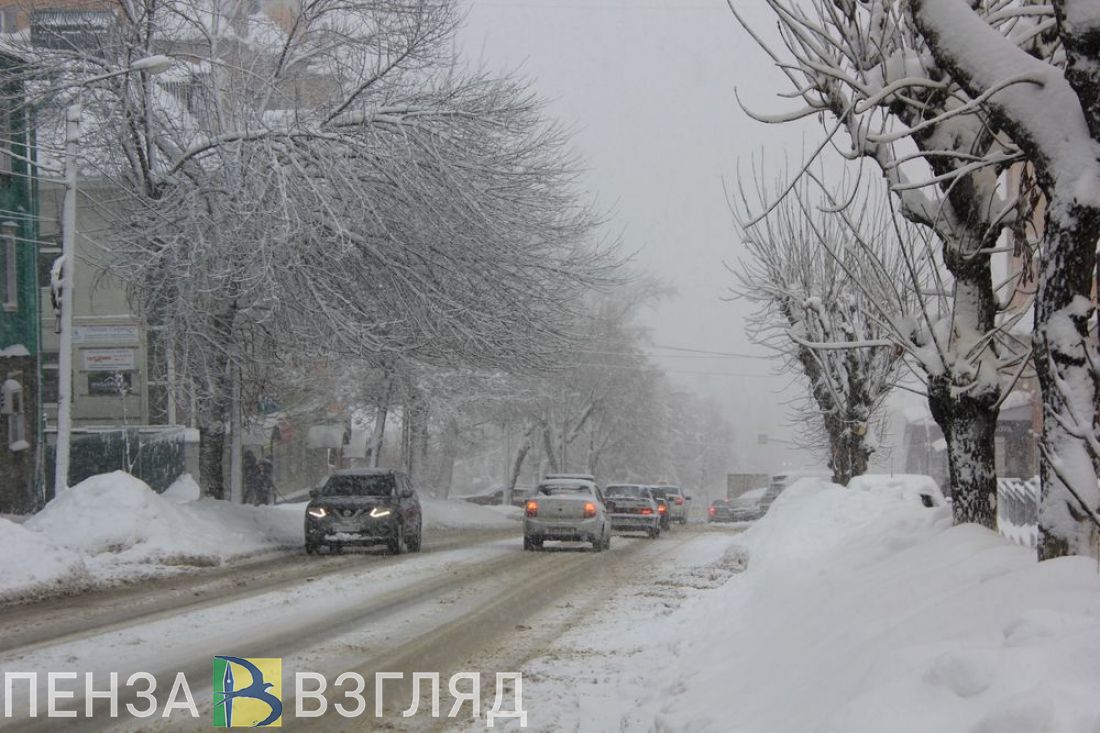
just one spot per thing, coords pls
(360, 506)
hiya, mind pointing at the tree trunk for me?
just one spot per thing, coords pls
(448, 453)
(548, 445)
(211, 449)
(213, 446)
(517, 463)
(850, 453)
(378, 435)
(969, 426)
(1063, 360)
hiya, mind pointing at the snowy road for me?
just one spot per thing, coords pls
(466, 605)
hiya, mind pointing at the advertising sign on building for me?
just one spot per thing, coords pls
(108, 334)
(108, 360)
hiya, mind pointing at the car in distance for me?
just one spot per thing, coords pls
(364, 507)
(633, 509)
(677, 502)
(662, 509)
(568, 509)
(747, 508)
(495, 497)
(720, 510)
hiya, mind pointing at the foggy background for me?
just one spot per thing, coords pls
(648, 89)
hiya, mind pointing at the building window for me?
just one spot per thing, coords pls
(114, 384)
(49, 377)
(9, 264)
(13, 408)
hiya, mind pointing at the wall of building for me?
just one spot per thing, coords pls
(110, 364)
(19, 413)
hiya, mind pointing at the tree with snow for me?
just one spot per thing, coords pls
(831, 292)
(865, 66)
(324, 178)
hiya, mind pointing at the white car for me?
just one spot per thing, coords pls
(567, 509)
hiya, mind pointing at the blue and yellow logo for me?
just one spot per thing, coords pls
(248, 693)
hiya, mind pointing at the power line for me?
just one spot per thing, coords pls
(731, 354)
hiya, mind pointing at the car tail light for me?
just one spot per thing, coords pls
(712, 511)
(647, 510)
(679, 500)
(589, 510)
(663, 508)
(532, 508)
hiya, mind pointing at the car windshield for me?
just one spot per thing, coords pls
(368, 485)
(629, 492)
(559, 489)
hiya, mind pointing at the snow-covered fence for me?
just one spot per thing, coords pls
(155, 454)
(1018, 509)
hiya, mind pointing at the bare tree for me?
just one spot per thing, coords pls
(864, 64)
(831, 291)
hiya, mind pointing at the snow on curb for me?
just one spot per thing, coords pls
(459, 514)
(112, 528)
(30, 565)
(862, 611)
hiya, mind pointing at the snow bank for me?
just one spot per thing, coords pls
(863, 611)
(113, 527)
(183, 490)
(460, 514)
(31, 565)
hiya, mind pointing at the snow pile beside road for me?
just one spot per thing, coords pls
(183, 490)
(123, 529)
(30, 565)
(459, 514)
(863, 611)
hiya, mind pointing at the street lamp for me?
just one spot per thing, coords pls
(150, 65)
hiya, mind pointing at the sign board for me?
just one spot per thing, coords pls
(108, 360)
(116, 334)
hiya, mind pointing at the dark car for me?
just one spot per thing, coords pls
(662, 510)
(520, 495)
(676, 509)
(364, 507)
(720, 510)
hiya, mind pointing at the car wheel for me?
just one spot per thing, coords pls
(607, 542)
(397, 544)
(530, 543)
(652, 533)
(597, 545)
(413, 543)
(335, 549)
(312, 548)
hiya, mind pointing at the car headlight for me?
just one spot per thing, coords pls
(317, 511)
(380, 511)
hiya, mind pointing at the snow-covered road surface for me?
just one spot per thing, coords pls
(459, 608)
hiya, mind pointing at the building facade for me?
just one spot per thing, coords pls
(20, 423)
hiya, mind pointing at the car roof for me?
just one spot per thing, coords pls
(365, 472)
(568, 482)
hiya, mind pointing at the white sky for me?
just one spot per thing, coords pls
(648, 87)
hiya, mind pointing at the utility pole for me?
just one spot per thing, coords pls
(65, 345)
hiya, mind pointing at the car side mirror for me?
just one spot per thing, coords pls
(687, 498)
(407, 493)
(314, 493)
